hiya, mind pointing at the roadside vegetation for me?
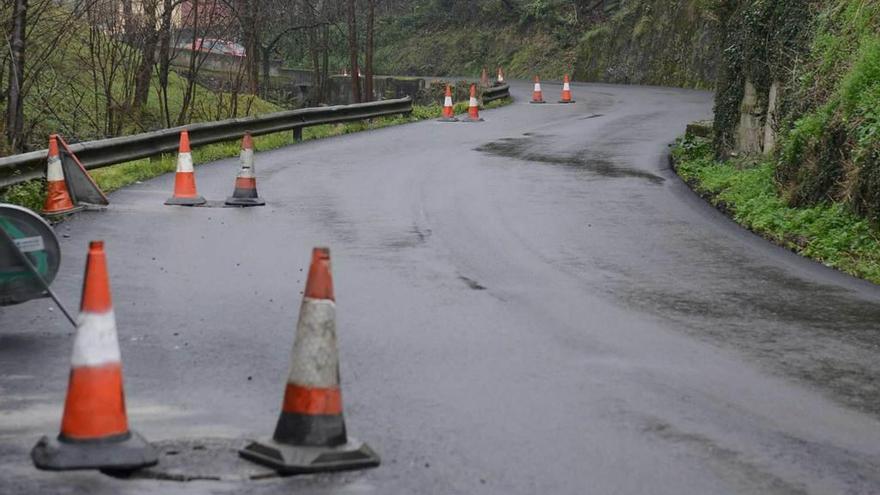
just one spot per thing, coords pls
(747, 190)
(32, 194)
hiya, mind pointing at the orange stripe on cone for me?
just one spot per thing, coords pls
(312, 401)
(95, 406)
(320, 283)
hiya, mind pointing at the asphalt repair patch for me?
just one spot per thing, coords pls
(531, 148)
(200, 459)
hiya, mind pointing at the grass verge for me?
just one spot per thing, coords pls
(32, 194)
(747, 191)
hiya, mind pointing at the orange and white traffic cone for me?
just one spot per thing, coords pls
(58, 200)
(448, 107)
(500, 78)
(537, 94)
(245, 193)
(310, 435)
(484, 78)
(566, 91)
(473, 106)
(185, 179)
(94, 428)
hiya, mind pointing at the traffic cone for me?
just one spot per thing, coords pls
(245, 193)
(537, 94)
(500, 78)
(185, 180)
(58, 200)
(473, 106)
(484, 78)
(566, 91)
(94, 428)
(448, 108)
(310, 435)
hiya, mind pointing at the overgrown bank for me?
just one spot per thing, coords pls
(747, 191)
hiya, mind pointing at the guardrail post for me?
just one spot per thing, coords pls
(298, 134)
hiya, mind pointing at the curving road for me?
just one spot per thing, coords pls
(533, 304)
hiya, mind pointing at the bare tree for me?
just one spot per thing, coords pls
(353, 52)
(368, 51)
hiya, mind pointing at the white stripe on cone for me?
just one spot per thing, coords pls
(566, 87)
(247, 163)
(537, 86)
(184, 162)
(96, 342)
(447, 102)
(54, 172)
(473, 101)
(314, 361)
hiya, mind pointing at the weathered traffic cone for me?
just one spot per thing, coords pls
(185, 180)
(94, 428)
(245, 193)
(473, 106)
(448, 107)
(566, 91)
(500, 77)
(58, 200)
(310, 435)
(484, 78)
(537, 94)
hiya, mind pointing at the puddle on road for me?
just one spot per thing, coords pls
(529, 148)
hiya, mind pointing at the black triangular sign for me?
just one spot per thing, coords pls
(80, 184)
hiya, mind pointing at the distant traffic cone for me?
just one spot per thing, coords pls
(537, 94)
(448, 107)
(185, 180)
(500, 78)
(473, 106)
(58, 200)
(566, 91)
(94, 428)
(310, 435)
(245, 193)
(484, 78)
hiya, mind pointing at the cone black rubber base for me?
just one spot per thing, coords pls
(537, 102)
(291, 459)
(63, 212)
(566, 102)
(233, 201)
(196, 201)
(473, 120)
(444, 119)
(124, 454)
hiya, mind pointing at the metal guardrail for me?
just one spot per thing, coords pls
(20, 168)
(496, 93)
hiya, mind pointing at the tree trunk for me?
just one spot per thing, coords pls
(251, 45)
(148, 59)
(325, 69)
(165, 56)
(368, 57)
(15, 98)
(315, 49)
(353, 53)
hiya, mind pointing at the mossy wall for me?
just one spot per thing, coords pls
(824, 56)
(664, 42)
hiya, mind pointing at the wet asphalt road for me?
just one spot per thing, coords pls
(533, 304)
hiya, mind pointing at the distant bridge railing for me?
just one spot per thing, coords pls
(20, 168)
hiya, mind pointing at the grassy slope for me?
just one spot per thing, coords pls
(826, 232)
(32, 194)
